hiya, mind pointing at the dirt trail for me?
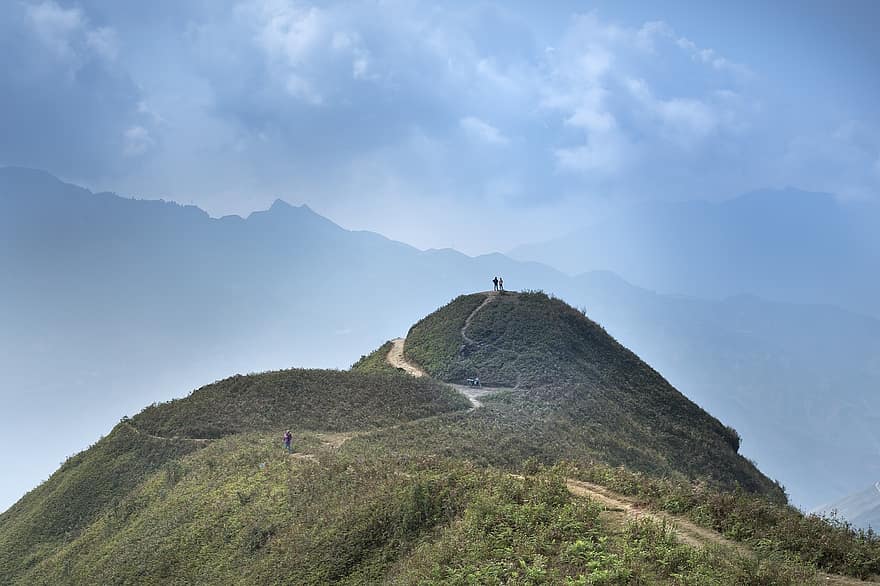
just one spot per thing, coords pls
(168, 439)
(490, 297)
(396, 359)
(615, 504)
(685, 530)
(474, 393)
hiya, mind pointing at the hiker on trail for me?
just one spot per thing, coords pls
(495, 282)
(288, 437)
(500, 284)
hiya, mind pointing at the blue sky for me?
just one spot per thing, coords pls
(475, 125)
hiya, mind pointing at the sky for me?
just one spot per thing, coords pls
(475, 125)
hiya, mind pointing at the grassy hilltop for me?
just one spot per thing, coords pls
(578, 394)
(399, 480)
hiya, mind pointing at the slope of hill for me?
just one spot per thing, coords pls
(861, 509)
(586, 396)
(389, 483)
(95, 480)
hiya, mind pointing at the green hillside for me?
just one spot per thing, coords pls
(328, 400)
(577, 394)
(92, 482)
(240, 512)
(399, 480)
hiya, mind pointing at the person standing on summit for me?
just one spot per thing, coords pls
(500, 284)
(495, 282)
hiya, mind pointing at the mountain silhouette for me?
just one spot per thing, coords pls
(110, 303)
(861, 508)
(786, 245)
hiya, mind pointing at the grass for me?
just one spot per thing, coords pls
(243, 512)
(77, 493)
(329, 400)
(583, 396)
(772, 528)
(435, 341)
(375, 362)
(424, 491)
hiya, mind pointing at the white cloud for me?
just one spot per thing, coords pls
(711, 58)
(299, 87)
(55, 26)
(483, 131)
(104, 42)
(66, 32)
(685, 121)
(604, 155)
(601, 80)
(289, 32)
(303, 44)
(136, 141)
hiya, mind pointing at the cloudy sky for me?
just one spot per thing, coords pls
(478, 125)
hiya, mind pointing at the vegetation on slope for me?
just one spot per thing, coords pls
(242, 512)
(95, 479)
(583, 397)
(328, 400)
(424, 492)
(772, 528)
(76, 494)
(435, 341)
(376, 361)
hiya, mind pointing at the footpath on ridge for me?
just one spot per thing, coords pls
(616, 506)
(397, 359)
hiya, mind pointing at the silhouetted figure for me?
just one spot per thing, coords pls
(500, 284)
(288, 437)
(495, 283)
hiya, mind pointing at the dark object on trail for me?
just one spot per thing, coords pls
(474, 382)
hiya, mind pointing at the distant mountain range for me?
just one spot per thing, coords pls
(786, 245)
(862, 508)
(108, 303)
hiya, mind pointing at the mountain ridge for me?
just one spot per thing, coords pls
(200, 487)
(785, 245)
(101, 317)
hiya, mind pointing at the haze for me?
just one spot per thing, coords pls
(560, 133)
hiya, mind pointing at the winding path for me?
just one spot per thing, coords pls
(396, 359)
(490, 297)
(202, 440)
(613, 503)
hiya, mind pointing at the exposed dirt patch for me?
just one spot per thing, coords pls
(397, 360)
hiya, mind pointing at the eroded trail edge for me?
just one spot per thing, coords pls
(490, 297)
(396, 359)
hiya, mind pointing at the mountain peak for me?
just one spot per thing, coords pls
(564, 371)
(280, 204)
